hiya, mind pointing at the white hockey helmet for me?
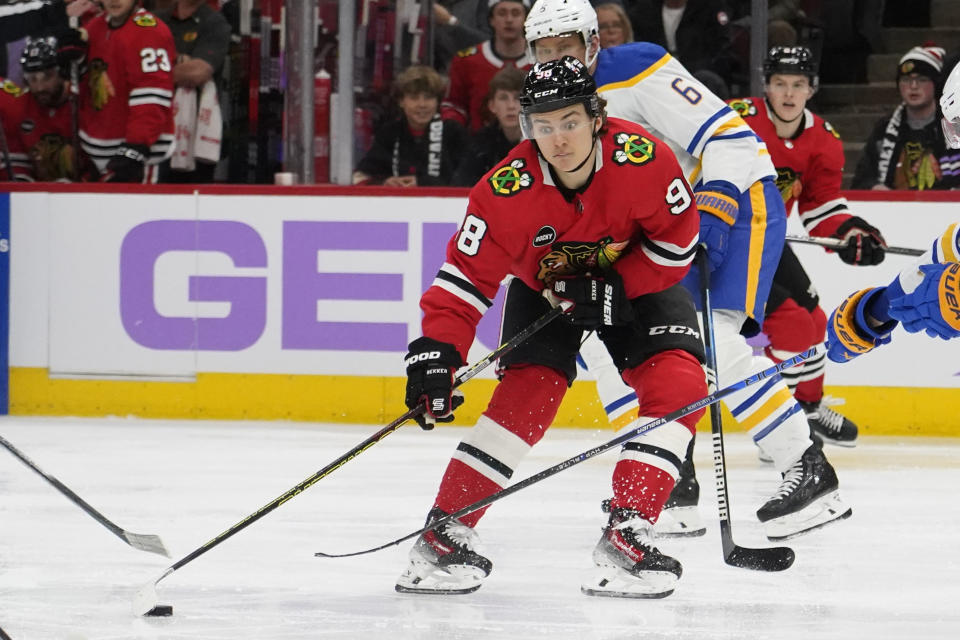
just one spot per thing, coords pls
(549, 18)
(950, 107)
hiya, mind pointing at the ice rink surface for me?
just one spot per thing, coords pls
(890, 571)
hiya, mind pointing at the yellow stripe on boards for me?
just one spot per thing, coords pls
(902, 411)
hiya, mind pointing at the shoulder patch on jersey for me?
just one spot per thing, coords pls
(829, 127)
(633, 148)
(469, 51)
(744, 107)
(10, 87)
(510, 179)
(145, 20)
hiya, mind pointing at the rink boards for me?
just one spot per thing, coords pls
(298, 303)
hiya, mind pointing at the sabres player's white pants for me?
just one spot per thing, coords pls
(768, 410)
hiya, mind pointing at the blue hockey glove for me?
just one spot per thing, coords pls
(849, 334)
(715, 237)
(431, 366)
(934, 306)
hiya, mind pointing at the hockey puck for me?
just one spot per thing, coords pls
(160, 610)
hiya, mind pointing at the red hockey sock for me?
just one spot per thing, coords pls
(666, 382)
(525, 404)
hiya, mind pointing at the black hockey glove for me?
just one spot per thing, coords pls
(865, 244)
(431, 365)
(71, 48)
(127, 165)
(593, 301)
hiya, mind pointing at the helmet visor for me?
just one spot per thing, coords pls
(951, 133)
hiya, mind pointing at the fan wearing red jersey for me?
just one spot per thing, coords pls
(808, 155)
(585, 204)
(126, 123)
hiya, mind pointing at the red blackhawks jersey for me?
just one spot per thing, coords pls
(470, 75)
(128, 90)
(636, 214)
(47, 135)
(11, 108)
(809, 165)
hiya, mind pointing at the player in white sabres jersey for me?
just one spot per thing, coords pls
(925, 296)
(742, 224)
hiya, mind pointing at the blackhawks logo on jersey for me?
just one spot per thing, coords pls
(788, 182)
(634, 148)
(510, 179)
(11, 88)
(829, 127)
(101, 88)
(744, 107)
(145, 20)
(573, 258)
(53, 158)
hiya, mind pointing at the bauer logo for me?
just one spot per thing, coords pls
(545, 236)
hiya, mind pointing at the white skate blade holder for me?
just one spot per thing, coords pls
(614, 582)
(454, 579)
(679, 522)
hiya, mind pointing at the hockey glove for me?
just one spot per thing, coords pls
(71, 48)
(127, 165)
(715, 237)
(431, 366)
(934, 306)
(849, 333)
(865, 244)
(591, 301)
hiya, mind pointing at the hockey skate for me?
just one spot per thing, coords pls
(680, 517)
(627, 563)
(808, 498)
(445, 560)
(830, 425)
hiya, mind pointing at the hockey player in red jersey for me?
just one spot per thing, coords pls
(473, 68)
(808, 155)
(595, 214)
(14, 163)
(46, 123)
(126, 123)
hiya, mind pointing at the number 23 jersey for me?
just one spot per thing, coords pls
(636, 212)
(128, 88)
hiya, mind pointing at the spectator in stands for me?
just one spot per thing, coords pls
(614, 25)
(492, 143)
(126, 119)
(695, 32)
(417, 148)
(202, 39)
(906, 150)
(458, 25)
(472, 69)
(46, 124)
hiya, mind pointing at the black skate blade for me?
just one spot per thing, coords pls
(846, 514)
(623, 594)
(439, 592)
(769, 559)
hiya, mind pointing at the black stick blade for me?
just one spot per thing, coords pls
(770, 559)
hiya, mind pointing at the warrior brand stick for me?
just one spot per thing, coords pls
(144, 542)
(769, 559)
(146, 598)
(837, 243)
(586, 455)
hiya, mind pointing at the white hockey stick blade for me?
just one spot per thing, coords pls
(146, 598)
(146, 542)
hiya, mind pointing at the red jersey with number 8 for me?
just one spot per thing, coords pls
(127, 93)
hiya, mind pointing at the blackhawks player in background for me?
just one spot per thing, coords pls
(593, 215)
(923, 297)
(742, 224)
(126, 124)
(808, 155)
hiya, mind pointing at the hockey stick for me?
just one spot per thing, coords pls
(837, 243)
(146, 597)
(768, 559)
(141, 541)
(75, 106)
(586, 455)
